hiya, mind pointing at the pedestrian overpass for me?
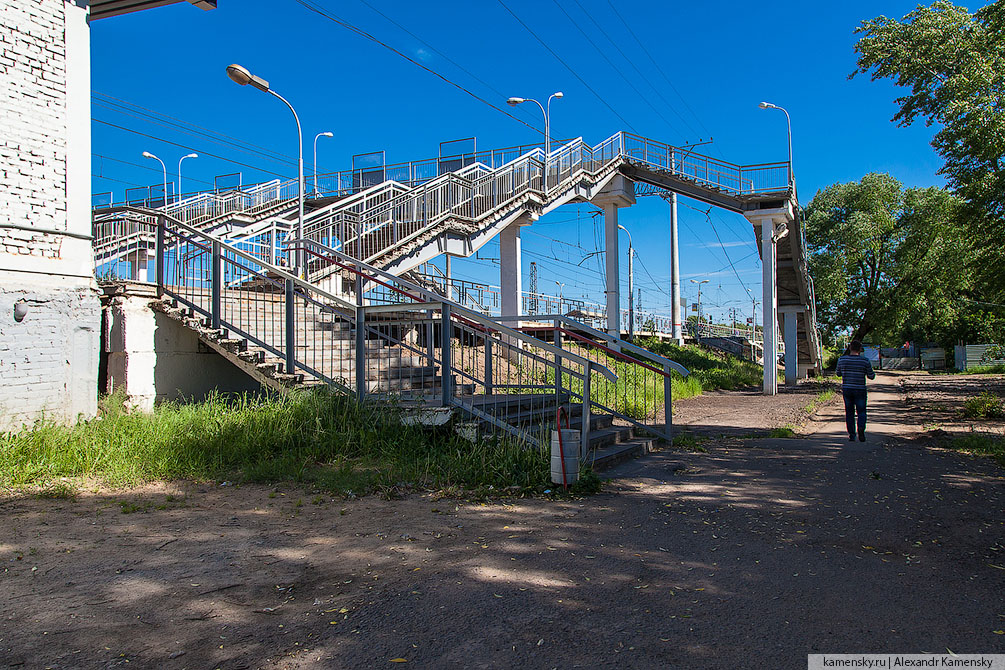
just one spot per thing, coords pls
(377, 226)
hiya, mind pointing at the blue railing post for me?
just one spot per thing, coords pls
(161, 255)
(446, 364)
(488, 363)
(291, 329)
(217, 283)
(667, 401)
(584, 445)
(360, 353)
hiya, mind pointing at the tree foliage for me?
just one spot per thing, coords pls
(889, 264)
(952, 64)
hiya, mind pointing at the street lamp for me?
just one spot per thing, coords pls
(242, 76)
(768, 105)
(513, 102)
(147, 154)
(561, 295)
(324, 134)
(698, 330)
(178, 197)
(631, 285)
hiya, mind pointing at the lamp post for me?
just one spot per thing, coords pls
(631, 285)
(561, 296)
(513, 102)
(698, 331)
(753, 323)
(178, 195)
(147, 154)
(788, 121)
(242, 76)
(324, 134)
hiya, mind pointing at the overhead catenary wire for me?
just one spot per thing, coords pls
(122, 106)
(149, 167)
(191, 148)
(321, 11)
(613, 66)
(658, 68)
(566, 65)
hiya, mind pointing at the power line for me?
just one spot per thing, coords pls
(658, 68)
(613, 66)
(317, 9)
(437, 51)
(185, 146)
(567, 66)
(131, 108)
(148, 167)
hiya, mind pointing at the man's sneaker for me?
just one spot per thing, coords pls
(861, 436)
(851, 437)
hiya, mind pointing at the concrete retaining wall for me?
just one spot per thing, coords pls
(153, 358)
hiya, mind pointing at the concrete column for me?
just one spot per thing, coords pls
(791, 348)
(613, 271)
(510, 266)
(770, 305)
(675, 306)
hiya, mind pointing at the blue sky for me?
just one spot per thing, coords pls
(679, 73)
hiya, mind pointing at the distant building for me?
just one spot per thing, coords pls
(50, 315)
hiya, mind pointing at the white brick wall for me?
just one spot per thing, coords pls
(48, 361)
(33, 124)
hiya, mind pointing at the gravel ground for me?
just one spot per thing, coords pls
(742, 557)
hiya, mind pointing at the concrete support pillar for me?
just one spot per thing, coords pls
(676, 324)
(510, 269)
(773, 224)
(619, 192)
(770, 305)
(138, 264)
(613, 268)
(790, 332)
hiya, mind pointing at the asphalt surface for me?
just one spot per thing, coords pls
(751, 555)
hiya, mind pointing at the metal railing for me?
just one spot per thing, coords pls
(643, 391)
(387, 337)
(502, 377)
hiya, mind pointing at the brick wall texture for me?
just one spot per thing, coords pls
(48, 359)
(32, 125)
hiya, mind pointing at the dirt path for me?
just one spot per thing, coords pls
(745, 557)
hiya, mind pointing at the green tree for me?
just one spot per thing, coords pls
(952, 64)
(887, 262)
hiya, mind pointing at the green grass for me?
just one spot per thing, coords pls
(821, 399)
(983, 406)
(984, 370)
(709, 371)
(318, 439)
(976, 443)
(785, 432)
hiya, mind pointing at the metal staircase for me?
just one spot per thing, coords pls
(413, 212)
(401, 343)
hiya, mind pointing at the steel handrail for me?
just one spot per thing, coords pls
(456, 307)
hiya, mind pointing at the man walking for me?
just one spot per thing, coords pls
(853, 368)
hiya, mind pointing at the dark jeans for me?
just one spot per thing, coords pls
(854, 400)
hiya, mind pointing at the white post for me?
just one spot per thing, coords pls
(770, 305)
(791, 348)
(675, 306)
(613, 274)
(510, 280)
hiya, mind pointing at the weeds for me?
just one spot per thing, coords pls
(315, 438)
(688, 442)
(822, 399)
(785, 432)
(983, 406)
(980, 444)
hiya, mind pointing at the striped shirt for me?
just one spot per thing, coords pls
(853, 370)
